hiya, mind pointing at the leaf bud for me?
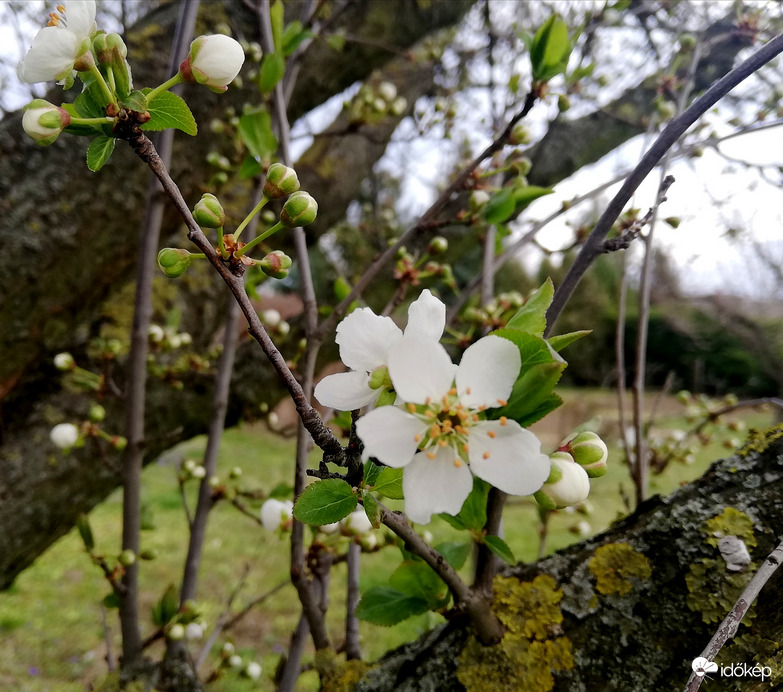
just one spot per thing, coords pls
(563, 103)
(567, 484)
(590, 452)
(173, 262)
(299, 210)
(276, 264)
(208, 212)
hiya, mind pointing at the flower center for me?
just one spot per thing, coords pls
(449, 422)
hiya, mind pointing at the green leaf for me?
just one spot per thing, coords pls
(250, 168)
(525, 195)
(293, 36)
(455, 552)
(167, 607)
(500, 206)
(99, 151)
(282, 491)
(276, 17)
(89, 103)
(560, 342)
(325, 502)
(372, 509)
(371, 472)
(111, 600)
(545, 407)
(136, 101)
(336, 42)
(256, 132)
(531, 317)
(530, 390)
(473, 514)
(271, 72)
(85, 531)
(389, 483)
(169, 110)
(342, 288)
(419, 580)
(550, 49)
(498, 546)
(385, 606)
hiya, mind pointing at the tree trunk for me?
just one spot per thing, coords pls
(630, 608)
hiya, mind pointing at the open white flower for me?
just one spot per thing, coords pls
(441, 438)
(365, 339)
(60, 44)
(213, 61)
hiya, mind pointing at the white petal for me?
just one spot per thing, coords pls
(52, 52)
(435, 485)
(420, 369)
(514, 463)
(345, 391)
(80, 17)
(426, 316)
(364, 339)
(487, 372)
(389, 434)
(220, 59)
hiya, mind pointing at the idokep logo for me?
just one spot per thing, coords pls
(701, 666)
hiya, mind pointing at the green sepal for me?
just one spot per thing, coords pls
(325, 502)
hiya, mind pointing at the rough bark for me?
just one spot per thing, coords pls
(636, 599)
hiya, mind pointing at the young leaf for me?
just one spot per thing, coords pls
(389, 483)
(523, 196)
(250, 168)
(372, 509)
(325, 502)
(167, 607)
(276, 17)
(85, 531)
(544, 408)
(455, 552)
(473, 514)
(336, 42)
(550, 49)
(112, 600)
(560, 342)
(531, 317)
(282, 491)
(256, 132)
(271, 72)
(500, 207)
(293, 36)
(136, 101)
(383, 605)
(371, 472)
(498, 546)
(417, 579)
(533, 387)
(99, 151)
(169, 110)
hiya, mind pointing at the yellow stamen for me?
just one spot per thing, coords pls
(447, 426)
(503, 420)
(457, 462)
(429, 414)
(411, 408)
(491, 433)
(502, 402)
(485, 455)
(467, 390)
(430, 455)
(452, 391)
(427, 401)
(443, 443)
(417, 438)
(465, 448)
(475, 417)
(434, 430)
(61, 8)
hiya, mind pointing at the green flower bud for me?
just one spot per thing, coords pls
(208, 212)
(236, 472)
(281, 181)
(563, 103)
(590, 452)
(519, 135)
(174, 262)
(522, 166)
(276, 264)
(127, 558)
(438, 245)
(687, 43)
(176, 632)
(149, 554)
(119, 442)
(299, 210)
(398, 106)
(567, 484)
(97, 413)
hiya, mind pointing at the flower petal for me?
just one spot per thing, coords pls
(80, 17)
(426, 317)
(435, 485)
(487, 372)
(420, 369)
(53, 51)
(364, 339)
(389, 434)
(508, 457)
(345, 391)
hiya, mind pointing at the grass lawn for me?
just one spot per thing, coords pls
(52, 632)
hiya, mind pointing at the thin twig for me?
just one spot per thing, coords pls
(352, 648)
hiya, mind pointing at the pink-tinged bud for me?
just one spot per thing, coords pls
(281, 181)
(174, 262)
(299, 210)
(208, 212)
(567, 484)
(43, 121)
(590, 452)
(213, 61)
(276, 264)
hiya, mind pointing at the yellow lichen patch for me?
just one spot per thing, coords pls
(615, 565)
(730, 522)
(533, 647)
(759, 440)
(342, 677)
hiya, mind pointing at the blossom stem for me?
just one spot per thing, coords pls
(257, 240)
(176, 79)
(250, 216)
(108, 93)
(91, 121)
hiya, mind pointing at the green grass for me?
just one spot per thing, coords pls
(51, 619)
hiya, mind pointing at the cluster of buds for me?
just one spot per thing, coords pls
(300, 209)
(191, 470)
(373, 103)
(411, 270)
(167, 338)
(231, 660)
(359, 529)
(496, 312)
(274, 323)
(576, 461)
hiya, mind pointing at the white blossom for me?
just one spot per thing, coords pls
(213, 61)
(58, 45)
(64, 435)
(365, 339)
(441, 437)
(43, 121)
(275, 513)
(568, 483)
(253, 670)
(194, 631)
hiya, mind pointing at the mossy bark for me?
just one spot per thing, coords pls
(640, 601)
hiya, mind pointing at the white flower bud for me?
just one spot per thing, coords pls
(275, 513)
(64, 435)
(329, 528)
(155, 333)
(213, 61)
(64, 361)
(235, 661)
(228, 648)
(568, 483)
(368, 541)
(43, 121)
(271, 318)
(357, 522)
(199, 472)
(387, 91)
(194, 631)
(176, 632)
(253, 670)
